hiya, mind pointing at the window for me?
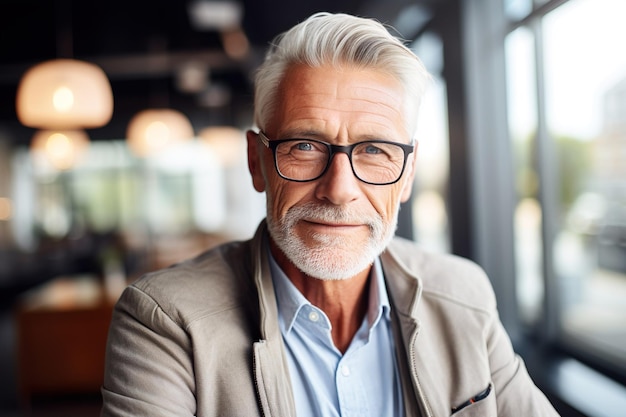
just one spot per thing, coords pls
(429, 211)
(166, 208)
(585, 79)
(566, 88)
(522, 118)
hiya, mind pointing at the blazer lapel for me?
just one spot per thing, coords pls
(271, 370)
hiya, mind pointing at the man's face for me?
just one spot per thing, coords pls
(332, 227)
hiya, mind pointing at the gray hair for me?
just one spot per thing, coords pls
(339, 40)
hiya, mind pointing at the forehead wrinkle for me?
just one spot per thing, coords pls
(362, 104)
(352, 108)
(366, 124)
(316, 108)
(366, 92)
(373, 96)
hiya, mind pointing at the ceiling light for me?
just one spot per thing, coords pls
(60, 148)
(215, 15)
(227, 142)
(64, 94)
(192, 77)
(235, 43)
(153, 130)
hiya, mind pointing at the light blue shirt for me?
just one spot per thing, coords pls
(362, 382)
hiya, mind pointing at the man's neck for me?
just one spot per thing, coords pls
(343, 301)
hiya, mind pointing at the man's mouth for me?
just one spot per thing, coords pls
(330, 225)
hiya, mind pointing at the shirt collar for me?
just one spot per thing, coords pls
(290, 300)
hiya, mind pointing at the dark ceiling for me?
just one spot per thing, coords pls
(142, 45)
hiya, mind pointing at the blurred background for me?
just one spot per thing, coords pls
(521, 167)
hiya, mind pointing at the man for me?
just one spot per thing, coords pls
(323, 312)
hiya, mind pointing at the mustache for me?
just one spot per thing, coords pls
(331, 214)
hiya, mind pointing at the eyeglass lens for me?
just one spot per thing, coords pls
(373, 162)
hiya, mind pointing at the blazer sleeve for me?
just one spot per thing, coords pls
(516, 393)
(148, 366)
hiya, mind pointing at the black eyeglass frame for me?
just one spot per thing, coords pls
(332, 150)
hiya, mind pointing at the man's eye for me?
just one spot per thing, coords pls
(371, 149)
(303, 146)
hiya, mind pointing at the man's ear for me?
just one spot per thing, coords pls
(410, 176)
(255, 165)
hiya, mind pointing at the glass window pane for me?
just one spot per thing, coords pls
(522, 120)
(430, 217)
(585, 72)
(166, 207)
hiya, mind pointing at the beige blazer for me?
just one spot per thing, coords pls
(202, 338)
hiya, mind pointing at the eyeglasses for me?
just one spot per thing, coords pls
(377, 162)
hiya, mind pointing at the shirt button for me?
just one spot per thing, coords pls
(345, 370)
(313, 316)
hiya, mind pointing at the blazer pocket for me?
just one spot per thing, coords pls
(483, 404)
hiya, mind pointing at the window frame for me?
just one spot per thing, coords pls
(485, 27)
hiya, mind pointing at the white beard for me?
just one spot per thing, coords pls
(330, 257)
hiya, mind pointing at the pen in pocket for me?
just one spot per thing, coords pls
(480, 396)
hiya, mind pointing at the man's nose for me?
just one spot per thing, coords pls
(338, 185)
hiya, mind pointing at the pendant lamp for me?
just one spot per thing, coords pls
(227, 142)
(64, 94)
(153, 130)
(60, 148)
